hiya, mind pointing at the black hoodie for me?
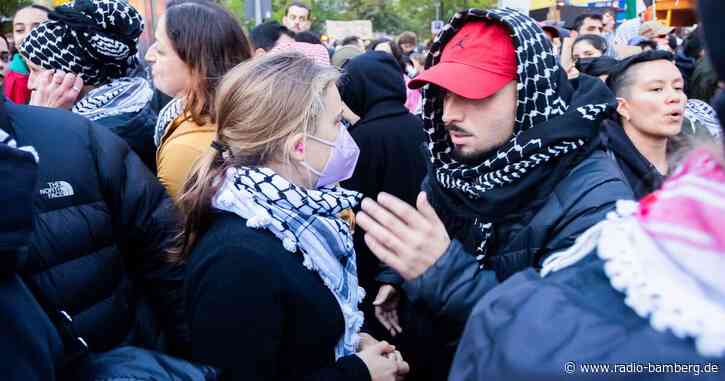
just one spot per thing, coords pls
(641, 175)
(389, 137)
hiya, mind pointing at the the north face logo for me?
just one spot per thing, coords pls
(57, 189)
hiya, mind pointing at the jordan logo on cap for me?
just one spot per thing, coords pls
(459, 44)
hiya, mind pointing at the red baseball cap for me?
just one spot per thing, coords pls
(476, 63)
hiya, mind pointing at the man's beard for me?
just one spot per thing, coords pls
(471, 158)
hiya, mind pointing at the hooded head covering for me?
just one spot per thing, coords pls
(373, 79)
(96, 39)
(555, 127)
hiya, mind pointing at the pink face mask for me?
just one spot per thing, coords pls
(343, 159)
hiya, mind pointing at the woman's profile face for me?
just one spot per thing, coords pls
(171, 75)
(317, 153)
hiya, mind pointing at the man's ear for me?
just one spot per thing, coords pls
(296, 147)
(623, 108)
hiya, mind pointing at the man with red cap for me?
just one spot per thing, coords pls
(516, 171)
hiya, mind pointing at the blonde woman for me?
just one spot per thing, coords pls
(272, 290)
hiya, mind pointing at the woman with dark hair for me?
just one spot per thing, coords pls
(196, 44)
(16, 80)
(588, 46)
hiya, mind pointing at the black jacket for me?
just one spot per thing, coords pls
(30, 345)
(453, 285)
(103, 224)
(641, 175)
(390, 140)
(257, 313)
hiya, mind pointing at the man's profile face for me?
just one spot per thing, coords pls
(297, 19)
(479, 126)
(591, 26)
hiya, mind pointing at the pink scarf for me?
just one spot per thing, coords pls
(687, 217)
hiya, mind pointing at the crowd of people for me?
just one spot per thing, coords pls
(512, 201)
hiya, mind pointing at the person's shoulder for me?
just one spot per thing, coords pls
(143, 118)
(189, 133)
(229, 235)
(597, 172)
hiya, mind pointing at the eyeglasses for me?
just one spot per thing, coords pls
(5, 57)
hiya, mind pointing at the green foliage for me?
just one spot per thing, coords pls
(7, 10)
(8, 7)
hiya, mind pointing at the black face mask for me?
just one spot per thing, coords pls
(584, 64)
(595, 66)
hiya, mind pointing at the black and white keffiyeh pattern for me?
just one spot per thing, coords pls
(96, 39)
(168, 114)
(543, 94)
(701, 114)
(125, 95)
(306, 221)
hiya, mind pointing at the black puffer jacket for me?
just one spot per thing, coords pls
(103, 223)
(453, 285)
